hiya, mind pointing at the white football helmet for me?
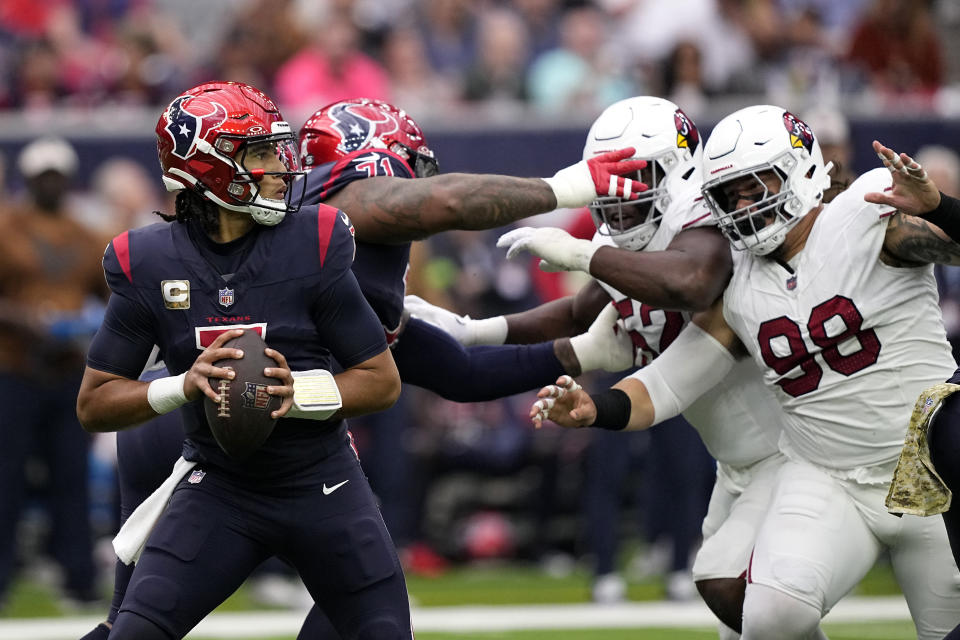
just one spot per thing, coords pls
(747, 143)
(663, 135)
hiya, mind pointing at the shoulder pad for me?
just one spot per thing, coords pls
(124, 259)
(327, 179)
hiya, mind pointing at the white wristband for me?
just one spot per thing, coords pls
(166, 394)
(587, 354)
(316, 395)
(573, 186)
(489, 330)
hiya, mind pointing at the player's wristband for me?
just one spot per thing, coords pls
(613, 410)
(946, 216)
(166, 394)
(488, 330)
(315, 395)
(573, 186)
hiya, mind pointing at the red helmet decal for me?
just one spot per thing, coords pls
(687, 134)
(186, 127)
(801, 135)
(358, 124)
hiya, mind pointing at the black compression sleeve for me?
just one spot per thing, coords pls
(946, 216)
(613, 410)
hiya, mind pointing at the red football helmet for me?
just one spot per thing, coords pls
(361, 123)
(202, 141)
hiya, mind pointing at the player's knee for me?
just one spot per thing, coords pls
(130, 626)
(724, 597)
(769, 613)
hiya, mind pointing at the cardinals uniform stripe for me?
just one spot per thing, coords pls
(693, 222)
(121, 246)
(325, 221)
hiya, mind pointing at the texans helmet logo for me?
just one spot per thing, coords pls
(801, 135)
(186, 127)
(359, 124)
(687, 134)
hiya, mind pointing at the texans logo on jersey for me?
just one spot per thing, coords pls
(358, 124)
(687, 134)
(186, 127)
(801, 135)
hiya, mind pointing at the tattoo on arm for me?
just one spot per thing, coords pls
(912, 241)
(400, 210)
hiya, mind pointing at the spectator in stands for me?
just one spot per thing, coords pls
(49, 271)
(896, 48)
(449, 32)
(497, 75)
(330, 68)
(414, 82)
(580, 75)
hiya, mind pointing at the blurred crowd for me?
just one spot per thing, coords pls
(501, 57)
(474, 481)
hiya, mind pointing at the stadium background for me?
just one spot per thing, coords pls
(496, 505)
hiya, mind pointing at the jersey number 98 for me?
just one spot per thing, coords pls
(800, 356)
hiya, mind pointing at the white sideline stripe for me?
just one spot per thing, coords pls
(471, 619)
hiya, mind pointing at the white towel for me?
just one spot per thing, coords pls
(129, 542)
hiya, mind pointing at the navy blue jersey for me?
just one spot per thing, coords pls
(294, 286)
(381, 269)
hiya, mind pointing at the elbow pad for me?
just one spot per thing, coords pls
(692, 365)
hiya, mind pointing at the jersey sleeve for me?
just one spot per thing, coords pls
(117, 265)
(347, 324)
(369, 163)
(123, 343)
(336, 246)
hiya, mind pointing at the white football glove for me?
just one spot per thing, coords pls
(605, 345)
(464, 329)
(557, 249)
(578, 185)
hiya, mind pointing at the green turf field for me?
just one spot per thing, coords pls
(509, 584)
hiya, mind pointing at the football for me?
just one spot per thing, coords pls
(240, 420)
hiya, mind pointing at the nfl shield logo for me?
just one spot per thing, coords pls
(255, 396)
(791, 283)
(196, 476)
(226, 297)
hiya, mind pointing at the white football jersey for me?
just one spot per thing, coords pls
(738, 420)
(846, 342)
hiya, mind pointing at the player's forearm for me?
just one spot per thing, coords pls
(641, 407)
(113, 405)
(548, 321)
(395, 210)
(372, 386)
(675, 280)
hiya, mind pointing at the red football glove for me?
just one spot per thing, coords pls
(580, 184)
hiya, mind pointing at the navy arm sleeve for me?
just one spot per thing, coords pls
(347, 324)
(430, 358)
(124, 341)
